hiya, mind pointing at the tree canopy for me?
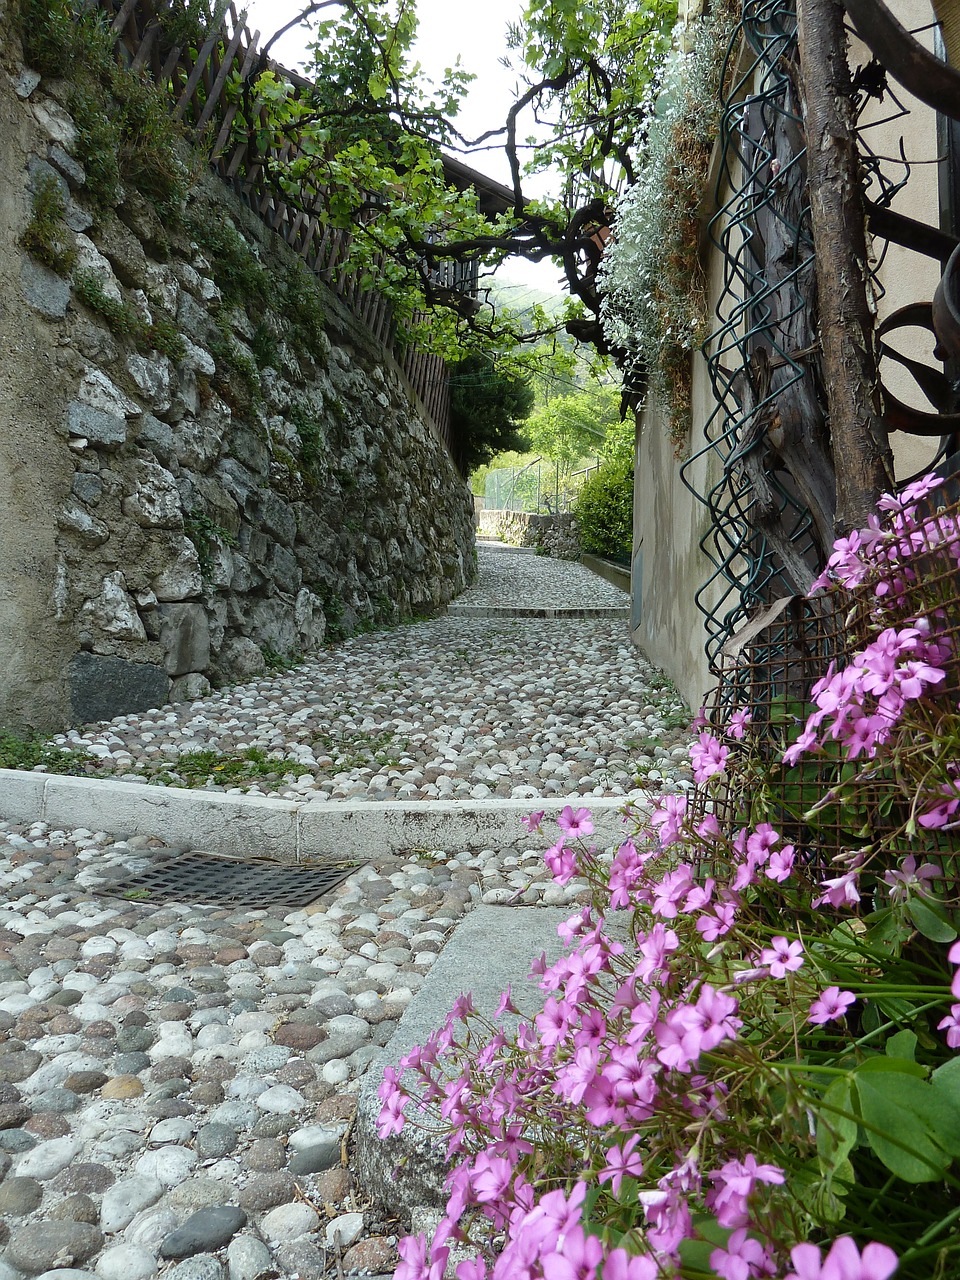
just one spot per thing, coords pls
(371, 131)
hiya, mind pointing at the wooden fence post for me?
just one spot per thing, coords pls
(860, 447)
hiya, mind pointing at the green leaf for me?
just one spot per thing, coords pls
(931, 920)
(912, 1127)
(947, 1078)
(836, 1127)
(902, 1046)
(878, 1065)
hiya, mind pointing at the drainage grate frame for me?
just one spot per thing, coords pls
(195, 876)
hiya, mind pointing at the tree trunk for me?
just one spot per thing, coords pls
(861, 450)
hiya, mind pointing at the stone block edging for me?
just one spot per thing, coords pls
(289, 830)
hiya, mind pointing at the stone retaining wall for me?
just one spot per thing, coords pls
(171, 519)
(555, 535)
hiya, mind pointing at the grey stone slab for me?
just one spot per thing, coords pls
(244, 826)
(21, 795)
(493, 947)
(362, 828)
(103, 687)
(45, 291)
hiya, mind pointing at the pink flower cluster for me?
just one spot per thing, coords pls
(620, 1048)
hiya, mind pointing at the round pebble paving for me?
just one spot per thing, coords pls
(177, 1080)
(452, 708)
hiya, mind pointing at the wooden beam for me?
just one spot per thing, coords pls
(861, 450)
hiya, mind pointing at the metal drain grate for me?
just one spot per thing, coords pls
(211, 878)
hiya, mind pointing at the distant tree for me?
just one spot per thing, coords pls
(570, 427)
(487, 408)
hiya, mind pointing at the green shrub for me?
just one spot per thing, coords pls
(122, 319)
(604, 510)
(46, 236)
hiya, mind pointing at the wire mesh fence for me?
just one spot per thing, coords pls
(538, 487)
(767, 673)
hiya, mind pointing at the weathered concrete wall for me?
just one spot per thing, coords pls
(168, 519)
(35, 465)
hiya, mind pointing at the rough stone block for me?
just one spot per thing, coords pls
(100, 427)
(71, 169)
(103, 687)
(185, 636)
(43, 289)
(239, 659)
(177, 573)
(190, 687)
(155, 500)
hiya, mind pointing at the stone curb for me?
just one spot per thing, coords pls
(289, 830)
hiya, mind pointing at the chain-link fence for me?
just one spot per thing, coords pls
(539, 486)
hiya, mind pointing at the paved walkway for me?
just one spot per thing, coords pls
(160, 1060)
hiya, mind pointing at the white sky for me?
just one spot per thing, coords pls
(474, 29)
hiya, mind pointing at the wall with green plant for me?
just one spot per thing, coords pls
(236, 474)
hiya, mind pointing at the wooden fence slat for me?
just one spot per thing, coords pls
(147, 44)
(249, 59)
(216, 91)
(120, 21)
(194, 78)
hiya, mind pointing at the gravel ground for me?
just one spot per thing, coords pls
(160, 1061)
(452, 708)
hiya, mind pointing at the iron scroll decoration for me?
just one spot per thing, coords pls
(937, 84)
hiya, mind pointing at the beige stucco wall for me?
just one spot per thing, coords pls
(669, 522)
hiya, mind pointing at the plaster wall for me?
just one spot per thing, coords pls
(35, 466)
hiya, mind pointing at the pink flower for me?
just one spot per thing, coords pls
(736, 1182)
(490, 1177)
(951, 1024)
(668, 816)
(620, 1265)
(471, 1269)
(532, 821)
(841, 890)
(831, 1006)
(743, 1257)
(576, 1257)
(462, 1007)
(804, 742)
(620, 1162)
(907, 876)
(506, 1004)
(843, 1262)
(413, 1251)
(781, 863)
(941, 814)
(576, 824)
(561, 862)
(782, 957)
(737, 723)
(708, 757)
